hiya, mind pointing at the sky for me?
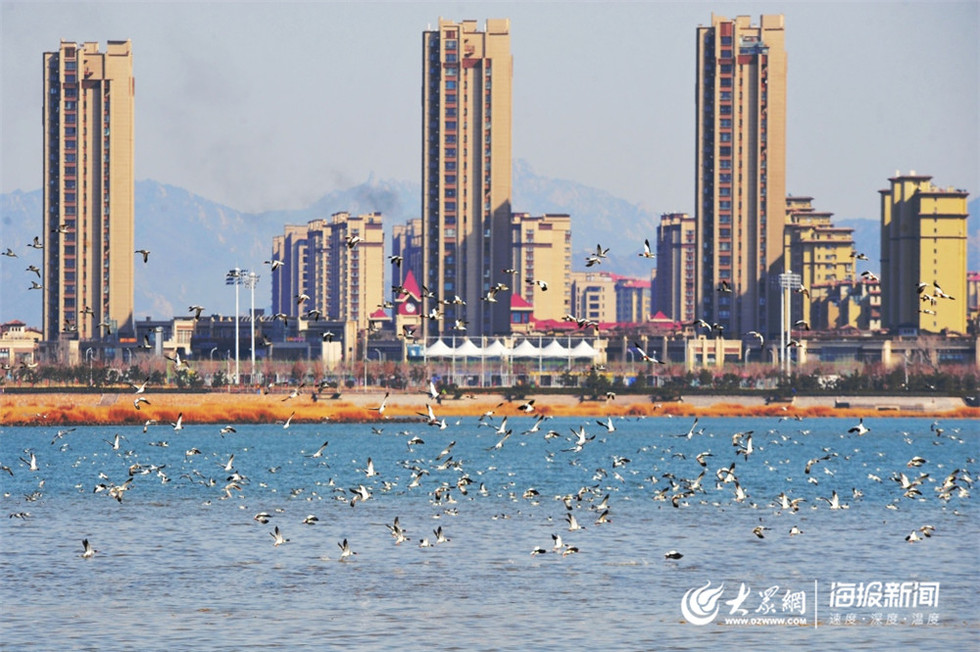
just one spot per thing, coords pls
(263, 106)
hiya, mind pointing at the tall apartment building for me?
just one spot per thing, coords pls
(923, 240)
(406, 241)
(292, 278)
(632, 300)
(542, 250)
(466, 171)
(594, 296)
(823, 256)
(740, 171)
(677, 252)
(343, 282)
(87, 115)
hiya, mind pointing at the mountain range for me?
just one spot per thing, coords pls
(195, 241)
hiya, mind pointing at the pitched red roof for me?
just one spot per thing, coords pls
(412, 286)
(517, 302)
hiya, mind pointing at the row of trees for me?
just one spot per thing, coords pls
(673, 379)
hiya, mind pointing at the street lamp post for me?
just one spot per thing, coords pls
(787, 281)
(250, 282)
(237, 277)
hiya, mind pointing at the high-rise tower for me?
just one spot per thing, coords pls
(88, 190)
(741, 172)
(923, 241)
(466, 173)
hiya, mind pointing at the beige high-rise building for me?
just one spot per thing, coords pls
(676, 253)
(466, 172)
(594, 296)
(822, 254)
(87, 116)
(632, 300)
(292, 277)
(348, 281)
(406, 241)
(740, 171)
(923, 240)
(542, 250)
(343, 282)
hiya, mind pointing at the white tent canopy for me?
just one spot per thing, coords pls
(524, 350)
(496, 349)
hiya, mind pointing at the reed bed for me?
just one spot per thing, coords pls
(221, 408)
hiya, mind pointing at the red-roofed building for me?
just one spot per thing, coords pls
(521, 314)
(408, 307)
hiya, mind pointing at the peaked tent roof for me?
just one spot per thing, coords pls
(468, 350)
(554, 350)
(438, 350)
(524, 350)
(584, 350)
(495, 350)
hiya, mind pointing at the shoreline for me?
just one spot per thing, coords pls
(117, 408)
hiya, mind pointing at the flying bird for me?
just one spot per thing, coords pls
(145, 252)
(88, 550)
(275, 264)
(646, 250)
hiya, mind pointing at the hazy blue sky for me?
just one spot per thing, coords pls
(272, 105)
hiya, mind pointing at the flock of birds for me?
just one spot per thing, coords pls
(595, 498)
(459, 324)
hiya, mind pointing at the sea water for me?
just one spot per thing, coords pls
(183, 564)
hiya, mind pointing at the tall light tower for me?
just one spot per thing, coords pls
(234, 277)
(250, 282)
(787, 281)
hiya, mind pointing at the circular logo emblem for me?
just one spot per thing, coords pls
(409, 307)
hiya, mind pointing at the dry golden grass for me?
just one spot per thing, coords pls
(222, 408)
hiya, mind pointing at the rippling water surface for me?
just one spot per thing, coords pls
(181, 566)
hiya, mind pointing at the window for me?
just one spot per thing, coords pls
(451, 126)
(451, 85)
(726, 82)
(451, 111)
(724, 233)
(451, 139)
(725, 123)
(725, 150)
(451, 206)
(451, 57)
(726, 96)
(450, 179)
(451, 44)
(726, 54)
(450, 152)
(725, 109)
(724, 246)
(724, 192)
(451, 71)
(726, 136)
